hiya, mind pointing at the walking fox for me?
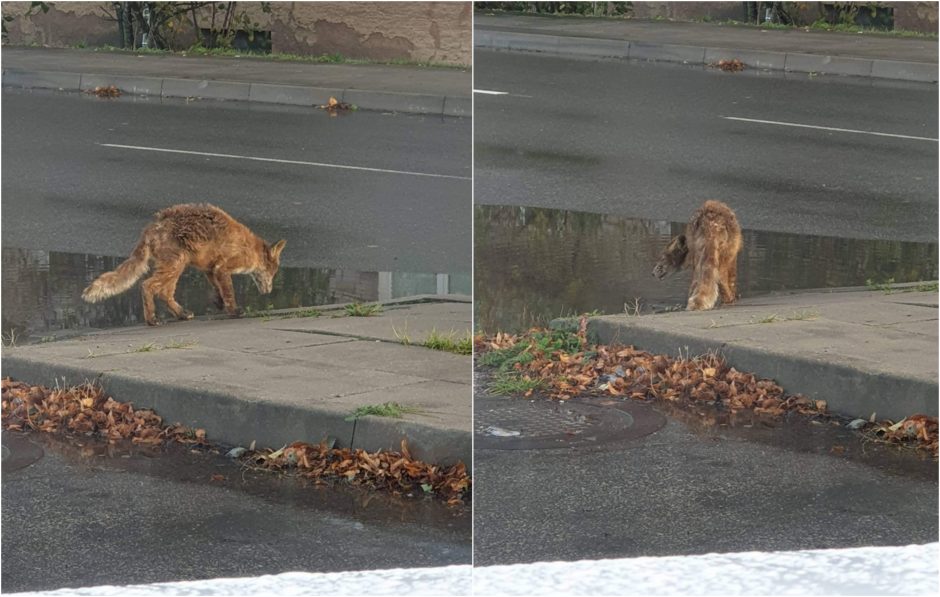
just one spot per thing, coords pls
(710, 246)
(198, 235)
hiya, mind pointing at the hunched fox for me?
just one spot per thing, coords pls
(198, 235)
(710, 246)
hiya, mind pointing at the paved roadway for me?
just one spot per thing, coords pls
(651, 140)
(64, 190)
(79, 517)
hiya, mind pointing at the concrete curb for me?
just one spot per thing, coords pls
(633, 50)
(847, 390)
(295, 95)
(235, 420)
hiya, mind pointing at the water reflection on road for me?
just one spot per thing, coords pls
(42, 292)
(534, 264)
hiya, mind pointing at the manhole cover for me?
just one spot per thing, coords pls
(19, 452)
(516, 424)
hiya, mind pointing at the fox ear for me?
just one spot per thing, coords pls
(277, 248)
(681, 239)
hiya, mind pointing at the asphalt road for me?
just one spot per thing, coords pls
(693, 488)
(64, 190)
(650, 140)
(78, 517)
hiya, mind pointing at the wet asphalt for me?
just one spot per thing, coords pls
(62, 190)
(81, 516)
(648, 140)
(693, 487)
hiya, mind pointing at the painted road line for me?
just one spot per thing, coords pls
(828, 128)
(278, 161)
(488, 92)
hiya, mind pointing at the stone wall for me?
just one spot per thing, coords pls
(689, 11)
(911, 16)
(915, 16)
(438, 32)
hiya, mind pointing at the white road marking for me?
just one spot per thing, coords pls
(828, 128)
(295, 162)
(487, 92)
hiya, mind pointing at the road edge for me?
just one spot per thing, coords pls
(236, 420)
(593, 47)
(846, 390)
(268, 93)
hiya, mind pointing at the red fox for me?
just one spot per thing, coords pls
(200, 235)
(710, 247)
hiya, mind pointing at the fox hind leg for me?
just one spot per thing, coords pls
(163, 284)
(704, 291)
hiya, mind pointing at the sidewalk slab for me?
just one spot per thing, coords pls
(277, 381)
(420, 90)
(876, 56)
(861, 351)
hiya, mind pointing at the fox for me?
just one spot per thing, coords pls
(195, 234)
(710, 246)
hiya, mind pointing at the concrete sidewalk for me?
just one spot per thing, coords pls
(275, 380)
(865, 55)
(862, 351)
(422, 90)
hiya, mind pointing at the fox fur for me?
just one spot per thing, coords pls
(198, 235)
(710, 246)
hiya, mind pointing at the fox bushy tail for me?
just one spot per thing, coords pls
(123, 277)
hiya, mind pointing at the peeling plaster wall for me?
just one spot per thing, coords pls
(437, 32)
(915, 16)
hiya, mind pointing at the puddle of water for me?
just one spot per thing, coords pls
(802, 434)
(534, 264)
(42, 292)
(182, 464)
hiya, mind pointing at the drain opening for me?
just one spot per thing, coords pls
(515, 424)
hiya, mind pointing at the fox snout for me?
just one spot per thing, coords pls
(264, 281)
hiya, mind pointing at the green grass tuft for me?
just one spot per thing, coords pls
(389, 409)
(360, 310)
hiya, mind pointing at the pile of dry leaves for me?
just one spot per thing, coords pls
(334, 106)
(734, 65)
(106, 91)
(86, 410)
(396, 472)
(918, 430)
(626, 372)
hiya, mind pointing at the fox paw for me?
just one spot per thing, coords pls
(185, 315)
(154, 322)
(235, 313)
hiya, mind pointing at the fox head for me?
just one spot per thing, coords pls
(673, 258)
(263, 275)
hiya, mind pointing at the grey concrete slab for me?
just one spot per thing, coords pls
(833, 65)
(294, 95)
(855, 350)
(528, 42)
(458, 106)
(127, 84)
(42, 79)
(394, 324)
(414, 103)
(667, 52)
(587, 46)
(382, 356)
(206, 88)
(245, 380)
(906, 71)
